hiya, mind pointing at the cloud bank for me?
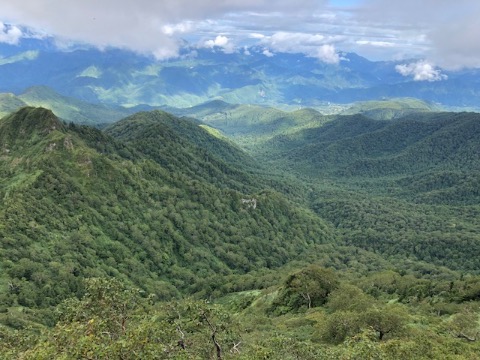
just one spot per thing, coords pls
(443, 31)
(449, 29)
(140, 25)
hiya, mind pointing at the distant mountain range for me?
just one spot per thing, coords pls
(118, 77)
(67, 108)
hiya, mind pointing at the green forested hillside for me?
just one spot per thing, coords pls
(359, 146)
(78, 203)
(183, 145)
(388, 109)
(157, 238)
(407, 188)
(250, 125)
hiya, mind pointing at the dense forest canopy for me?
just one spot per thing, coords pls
(247, 235)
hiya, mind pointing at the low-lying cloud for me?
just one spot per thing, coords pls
(421, 71)
(221, 42)
(313, 45)
(443, 31)
(10, 34)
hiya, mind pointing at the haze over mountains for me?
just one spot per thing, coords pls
(120, 77)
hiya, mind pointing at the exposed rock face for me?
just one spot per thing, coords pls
(250, 203)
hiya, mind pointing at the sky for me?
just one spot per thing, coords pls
(424, 35)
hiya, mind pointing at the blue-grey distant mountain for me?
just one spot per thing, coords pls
(124, 78)
(67, 108)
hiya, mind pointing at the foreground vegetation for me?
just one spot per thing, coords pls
(315, 314)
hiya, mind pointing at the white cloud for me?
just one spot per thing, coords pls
(293, 42)
(164, 53)
(220, 41)
(313, 45)
(450, 29)
(144, 26)
(10, 34)
(421, 71)
(256, 36)
(441, 30)
(328, 54)
(180, 28)
(268, 53)
(388, 44)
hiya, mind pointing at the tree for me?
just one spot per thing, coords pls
(202, 328)
(385, 320)
(349, 298)
(310, 287)
(340, 325)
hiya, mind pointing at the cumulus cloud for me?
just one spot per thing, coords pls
(10, 34)
(421, 71)
(328, 54)
(165, 52)
(268, 53)
(220, 41)
(180, 28)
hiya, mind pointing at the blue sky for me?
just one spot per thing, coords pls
(425, 34)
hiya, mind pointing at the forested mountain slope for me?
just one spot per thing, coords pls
(359, 146)
(78, 203)
(390, 108)
(105, 227)
(407, 188)
(185, 145)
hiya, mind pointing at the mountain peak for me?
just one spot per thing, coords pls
(37, 118)
(27, 122)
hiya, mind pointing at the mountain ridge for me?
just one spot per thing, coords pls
(81, 203)
(118, 77)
